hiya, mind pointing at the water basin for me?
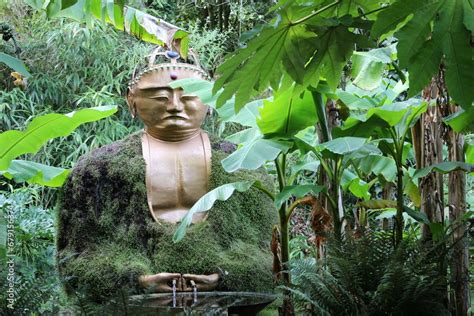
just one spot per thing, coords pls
(201, 303)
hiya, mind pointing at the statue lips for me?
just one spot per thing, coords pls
(176, 117)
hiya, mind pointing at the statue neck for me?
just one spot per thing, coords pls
(175, 136)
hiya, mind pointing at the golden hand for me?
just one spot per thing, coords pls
(202, 282)
(163, 282)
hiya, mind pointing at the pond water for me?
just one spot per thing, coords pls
(205, 303)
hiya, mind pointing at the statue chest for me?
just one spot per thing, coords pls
(177, 175)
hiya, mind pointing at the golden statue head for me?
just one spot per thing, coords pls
(166, 112)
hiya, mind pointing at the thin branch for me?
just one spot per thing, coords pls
(264, 190)
(304, 19)
(292, 207)
(370, 12)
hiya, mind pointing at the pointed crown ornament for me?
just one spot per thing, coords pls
(169, 64)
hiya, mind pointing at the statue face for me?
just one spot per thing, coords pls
(163, 109)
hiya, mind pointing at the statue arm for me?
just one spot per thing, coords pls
(103, 271)
(100, 248)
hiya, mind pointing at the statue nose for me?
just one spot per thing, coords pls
(175, 105)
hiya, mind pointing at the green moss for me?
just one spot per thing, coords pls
(103, 269)
(246, 267)
(104, 219)
(197, 253)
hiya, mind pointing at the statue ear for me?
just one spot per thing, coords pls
(131, 103)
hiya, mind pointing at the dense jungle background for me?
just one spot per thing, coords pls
(361, 111)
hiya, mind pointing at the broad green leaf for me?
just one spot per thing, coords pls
(424, 66)
(298, 48)
(306, 140)
(458, 51)
(44, 128)
(397, 13)
(368, 67)
(354, 102)
(307, 50)
(378, 165)
(14, 64)
(183, 38)
(35, 173)
(444, 167)
(135, 22)
(416, 31)
(417, 215)
(437, 31)
(298, 191)
(410, 188)
(251, 69)
(355, 185)
(287, 114)
(53, 7)
(386, 116)
(378, 204)
(144, 27)
(301, 166)
(245, 136)
(437, 231)
(462, 120)
(368, 149)
(470, 153)
(254, 154)
(203, 89)
(198, 87)
(67, 3)
(468, 215)
(341, 146)
(247, 116)
(308, 163)
(468, 6)
(205, 203)
(366, 71)
(335, 47)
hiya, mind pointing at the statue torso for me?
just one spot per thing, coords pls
(177, 175)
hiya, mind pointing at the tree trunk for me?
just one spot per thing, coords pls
(212, 17)
(388, 194)
(334, 120)
(428, 148)
(226, 16)
(460, 291)
(327, 121)
(220, 16)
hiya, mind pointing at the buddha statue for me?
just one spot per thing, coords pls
(121, 204)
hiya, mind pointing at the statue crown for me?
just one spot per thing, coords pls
(166, 63)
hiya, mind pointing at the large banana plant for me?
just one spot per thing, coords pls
(38, 132)
(389, 124)
(124, 18)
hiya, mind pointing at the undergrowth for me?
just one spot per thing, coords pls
(368, 276)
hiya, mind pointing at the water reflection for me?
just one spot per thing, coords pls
(206, 303)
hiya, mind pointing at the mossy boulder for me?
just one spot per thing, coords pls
(107, 237)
